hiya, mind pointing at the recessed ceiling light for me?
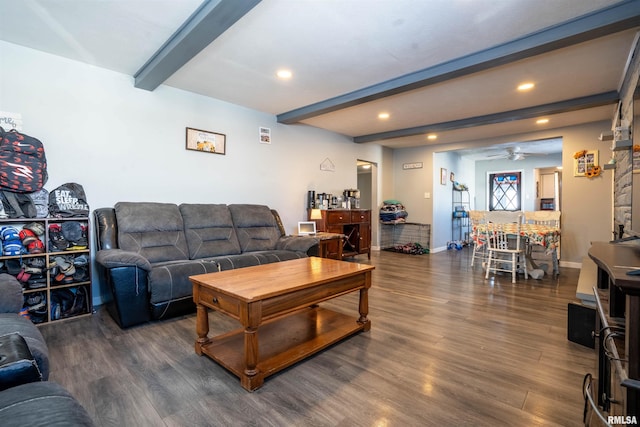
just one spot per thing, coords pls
(284, 74)
(525, 86)
(432, 136)
(542, 121)
(383, 116)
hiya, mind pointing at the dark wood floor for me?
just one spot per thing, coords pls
(446, 348)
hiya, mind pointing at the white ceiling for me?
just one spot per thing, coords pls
(334, 47)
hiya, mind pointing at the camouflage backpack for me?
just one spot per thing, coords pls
(23, 165)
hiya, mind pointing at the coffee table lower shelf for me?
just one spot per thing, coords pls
(282, 342)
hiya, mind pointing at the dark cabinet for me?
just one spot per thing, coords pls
(354, 224)
(617, 329)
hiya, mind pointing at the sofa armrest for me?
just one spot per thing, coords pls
(112, 258)
(10, 294)
(296, 243)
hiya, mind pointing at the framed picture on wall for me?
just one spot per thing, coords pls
(205, 141)
(443, 176)
(585, 162)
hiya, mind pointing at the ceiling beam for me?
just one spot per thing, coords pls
(631, 78)
(209, 21)
(619, 17)
(591, 101)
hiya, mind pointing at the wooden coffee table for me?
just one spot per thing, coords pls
(279, 303)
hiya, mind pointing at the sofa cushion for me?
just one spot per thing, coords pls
(256, 227)
(256, 258)
(13, 322)
(17, 365)
(11, 291)
(170, 280)
(153, 230)
(209, 230)
(41, 403)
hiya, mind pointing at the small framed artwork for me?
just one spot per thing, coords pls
(265, 135)
(443, 176)
(584, 162)
(205, 141)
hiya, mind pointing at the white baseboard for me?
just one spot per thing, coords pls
(570, 264)
(436, 250)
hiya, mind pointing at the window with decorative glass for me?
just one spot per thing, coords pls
(505, 191)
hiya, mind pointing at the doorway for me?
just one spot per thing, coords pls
(368, 186)
(548, 189)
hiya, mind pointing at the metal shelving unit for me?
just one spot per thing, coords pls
(460, 225)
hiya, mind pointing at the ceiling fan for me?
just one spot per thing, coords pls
(514, 153)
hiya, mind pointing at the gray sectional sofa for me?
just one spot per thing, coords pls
(146, 251)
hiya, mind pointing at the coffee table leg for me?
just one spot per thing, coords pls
(364, 309)
(251, 378)
(202, 327)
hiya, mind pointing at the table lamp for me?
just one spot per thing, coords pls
(316, 214)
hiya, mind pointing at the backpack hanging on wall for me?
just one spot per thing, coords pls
(16, 205)
(23, 164)
(68, 200)
(41, 201)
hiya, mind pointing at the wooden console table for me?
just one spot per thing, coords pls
(614, 260)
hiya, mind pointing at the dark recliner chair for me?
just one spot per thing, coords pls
(29, 399)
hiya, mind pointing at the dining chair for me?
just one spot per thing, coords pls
(506, 247)
(548, 218)
(551, 218)
(479, 250)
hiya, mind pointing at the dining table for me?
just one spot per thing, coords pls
(547, 236)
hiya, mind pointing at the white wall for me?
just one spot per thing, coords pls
(127, 144)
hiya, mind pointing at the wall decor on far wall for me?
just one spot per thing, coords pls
(415, 165)
(636, 159)
(208, 142)
(584, 162)
(327, 165)
(443, 176)
(265, 135)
